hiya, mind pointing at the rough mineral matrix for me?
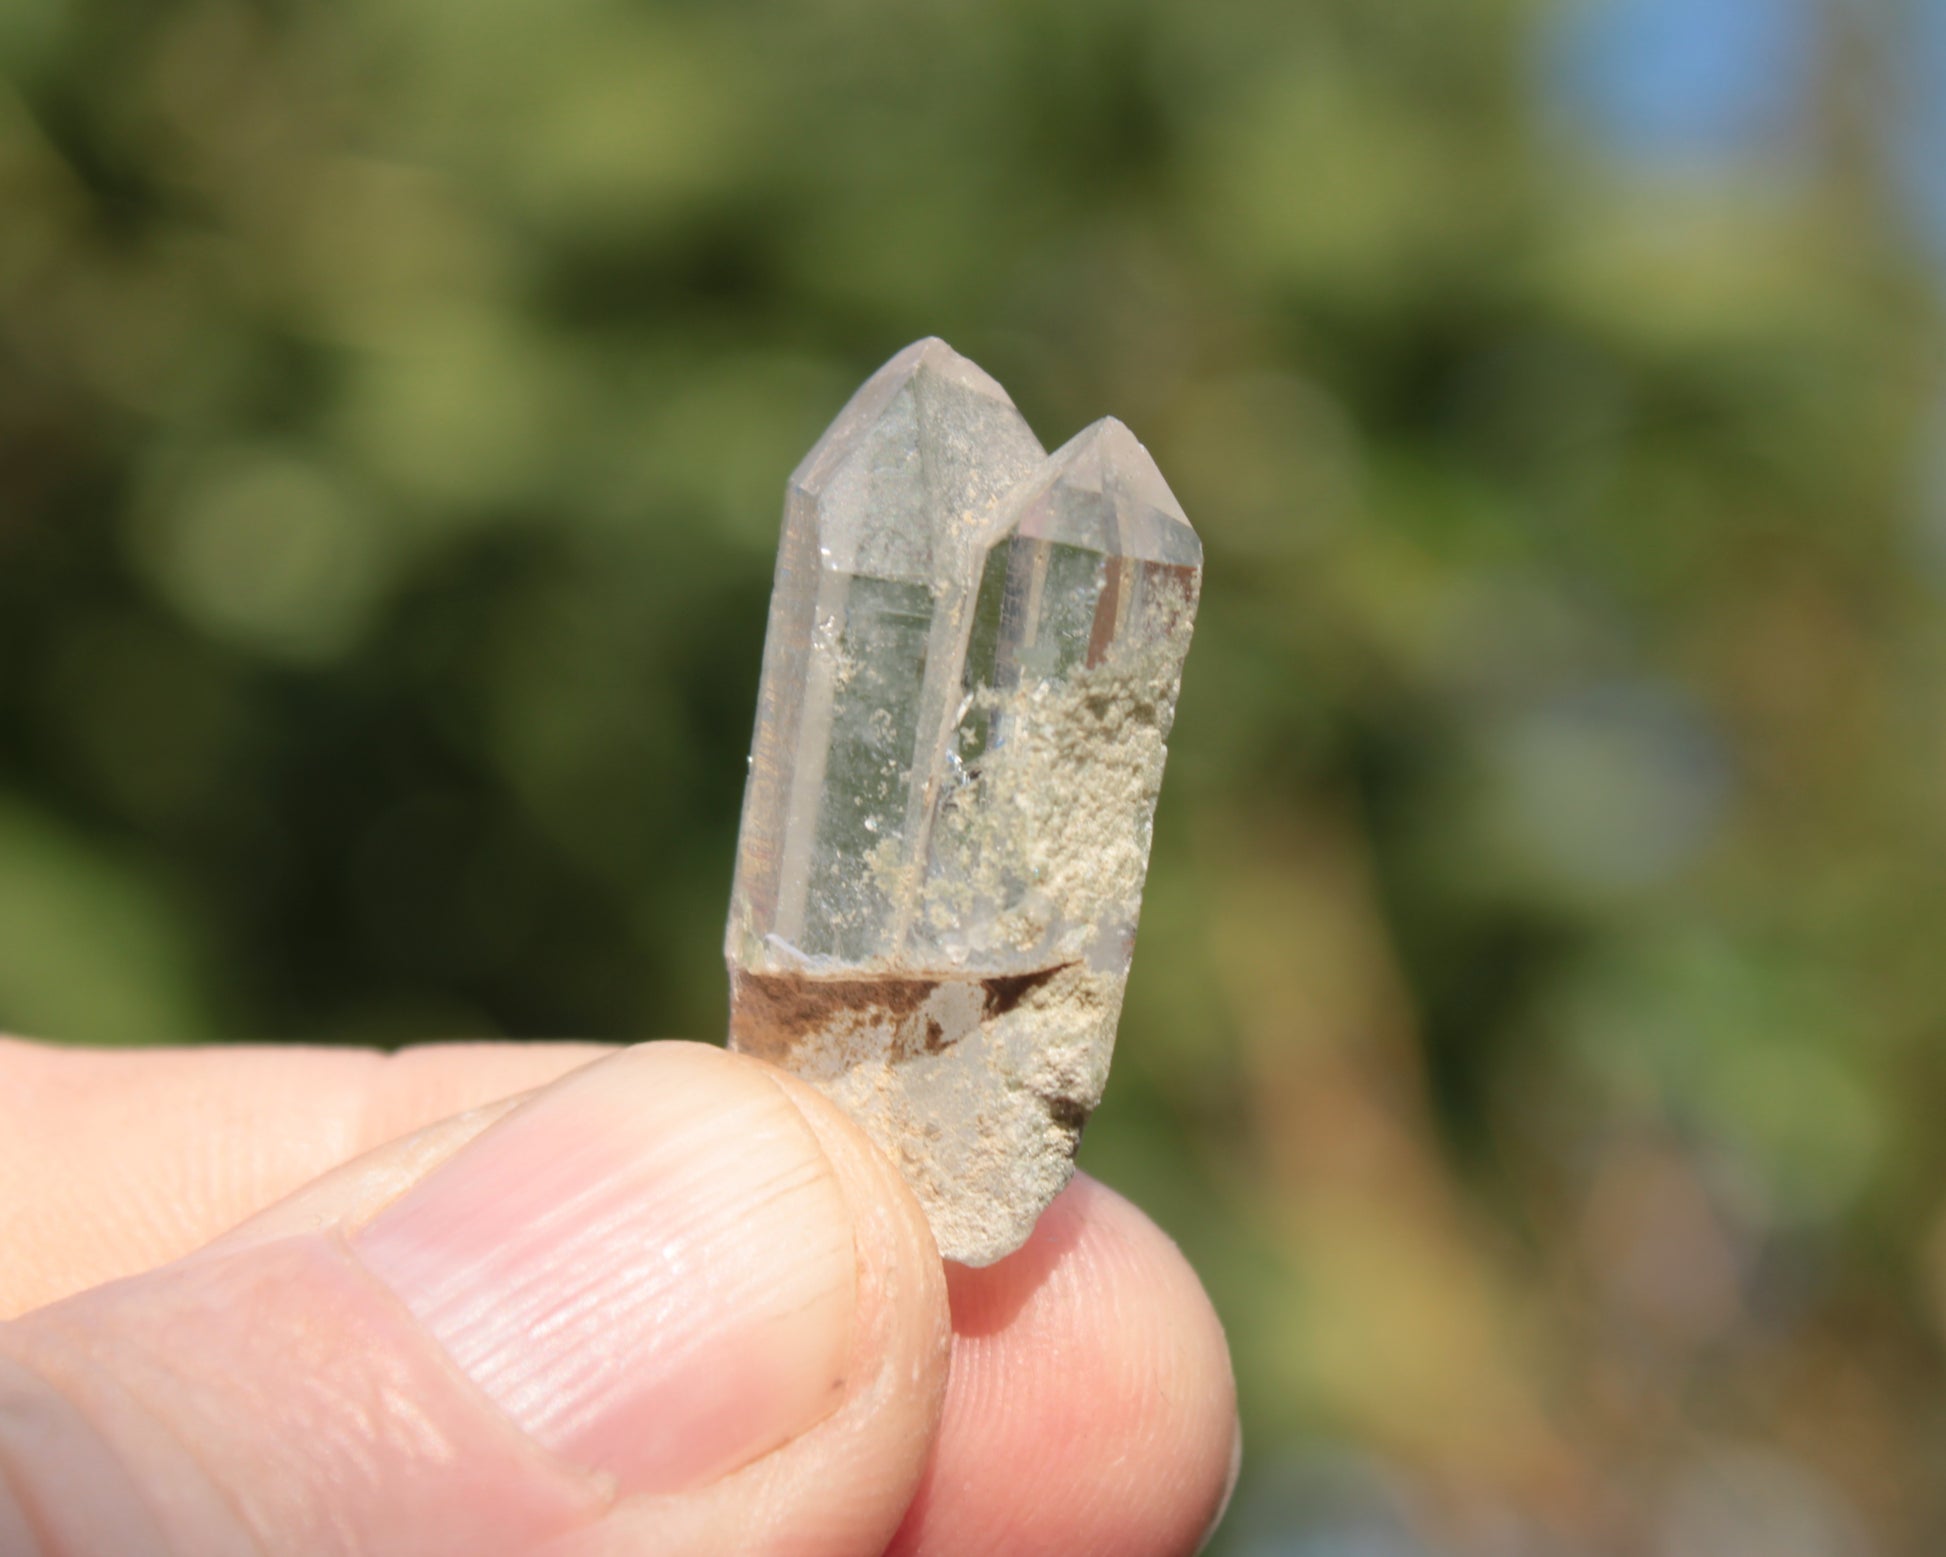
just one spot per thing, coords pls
(971, 667)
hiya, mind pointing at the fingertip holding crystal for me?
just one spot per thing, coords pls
(970, 674)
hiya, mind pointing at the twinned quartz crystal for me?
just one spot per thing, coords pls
(971, 668)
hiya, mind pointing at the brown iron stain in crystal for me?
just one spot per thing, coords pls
(774, 1012)
(1006, 990)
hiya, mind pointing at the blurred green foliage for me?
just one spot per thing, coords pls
(1536, 1036)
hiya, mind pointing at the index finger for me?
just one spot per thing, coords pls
(113, 1161)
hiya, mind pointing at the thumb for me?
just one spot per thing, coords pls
(672, 1303)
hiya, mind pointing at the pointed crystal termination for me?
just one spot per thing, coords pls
(971, 671)
(869, 602)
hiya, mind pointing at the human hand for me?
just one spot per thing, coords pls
(661, 1300)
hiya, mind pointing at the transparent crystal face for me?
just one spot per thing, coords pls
(867, 613)
(971, 671)
(1039, 841)
(969, 680)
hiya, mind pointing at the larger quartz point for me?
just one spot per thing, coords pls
(971, 668)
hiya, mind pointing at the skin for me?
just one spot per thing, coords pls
(1075, 1398)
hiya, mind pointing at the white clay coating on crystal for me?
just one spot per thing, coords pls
(971, 671)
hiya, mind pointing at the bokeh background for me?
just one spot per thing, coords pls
(1538, 1037)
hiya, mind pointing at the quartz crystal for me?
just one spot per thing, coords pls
(971, 668)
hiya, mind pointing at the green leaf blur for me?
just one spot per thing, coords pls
(1537, 1022)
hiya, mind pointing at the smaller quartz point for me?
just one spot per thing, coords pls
(971, 670)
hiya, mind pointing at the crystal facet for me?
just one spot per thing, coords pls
(971, 669)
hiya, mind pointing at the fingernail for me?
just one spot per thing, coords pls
(649, 1267)
(1229, 1491)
